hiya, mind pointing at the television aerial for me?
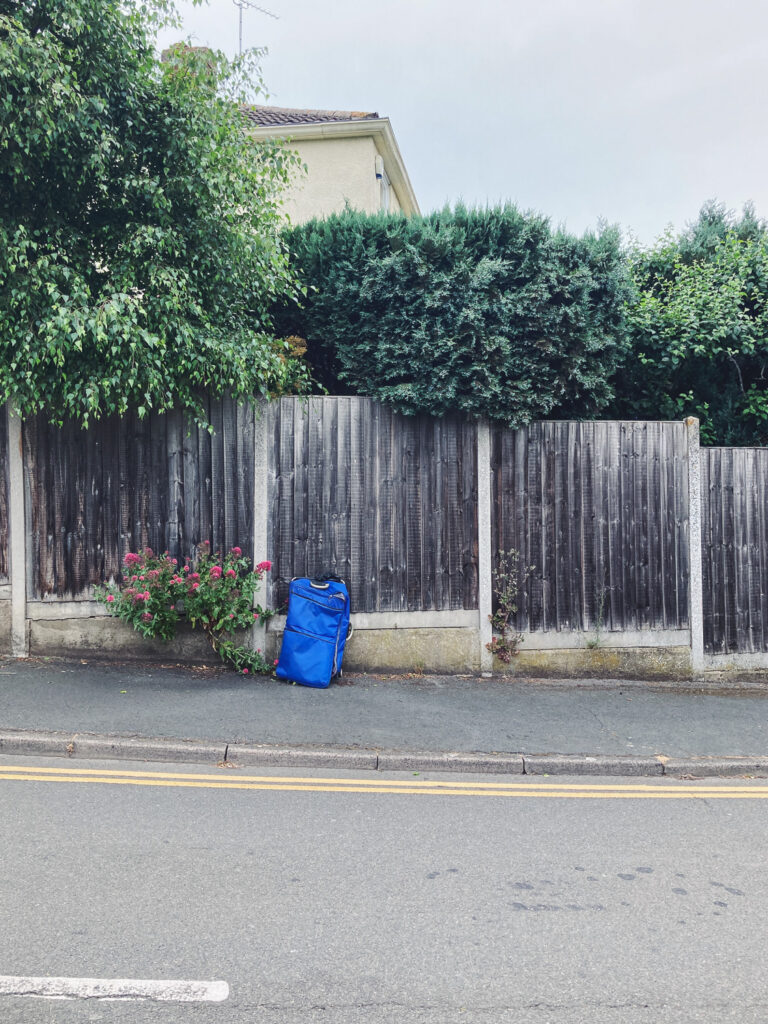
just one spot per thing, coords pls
(242, 4)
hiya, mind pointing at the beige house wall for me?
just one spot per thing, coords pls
(339, 171)
(342, 159)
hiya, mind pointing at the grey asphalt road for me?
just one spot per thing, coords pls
(431, 713)
(346, 907)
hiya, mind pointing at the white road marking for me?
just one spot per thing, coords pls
(115, 988)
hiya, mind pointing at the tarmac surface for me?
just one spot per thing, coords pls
(597, 726)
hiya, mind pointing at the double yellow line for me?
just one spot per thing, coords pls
(662, 790)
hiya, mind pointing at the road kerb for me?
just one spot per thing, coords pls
(407, 761)
(139, 749)
(704, 767)
(52, 744)
(22, 742)
(98, 747)
(265, 755)
(590, 764)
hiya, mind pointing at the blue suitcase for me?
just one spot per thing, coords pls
(316, 631)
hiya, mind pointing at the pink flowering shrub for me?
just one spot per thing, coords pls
(149, 596)
(220, 602)
(216, 595)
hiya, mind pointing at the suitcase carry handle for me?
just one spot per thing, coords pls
(320, 582)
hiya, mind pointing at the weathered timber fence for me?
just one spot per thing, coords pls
(4, 490)
(387, 502)
(413, 513)
(601, 512)
(123, 484)
(735, 551)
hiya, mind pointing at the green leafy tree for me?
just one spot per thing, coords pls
(140, 247)
(698, 329)
(487, 312)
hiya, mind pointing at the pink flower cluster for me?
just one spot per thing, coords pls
(263, 566)
(215, 572)
(237, 551)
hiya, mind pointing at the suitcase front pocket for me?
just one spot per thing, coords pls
(306, 659)
(320, 617)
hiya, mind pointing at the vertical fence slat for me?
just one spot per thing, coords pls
(413, 518)
(357, 502)
(735, 550)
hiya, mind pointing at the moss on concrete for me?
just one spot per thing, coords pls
(609, 662)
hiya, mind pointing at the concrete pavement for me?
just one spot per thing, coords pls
(595, 727)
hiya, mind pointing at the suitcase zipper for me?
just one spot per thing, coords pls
(314, 636)
(309, 597)
(336, 649)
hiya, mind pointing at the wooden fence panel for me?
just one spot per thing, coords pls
(4, 491)
(125, 484)
(734, 486)
(600, 510)
(387, 502)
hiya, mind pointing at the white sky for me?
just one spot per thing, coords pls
(633, 111)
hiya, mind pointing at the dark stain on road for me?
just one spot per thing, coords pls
(733, 892)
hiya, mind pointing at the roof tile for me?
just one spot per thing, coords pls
(268, 116)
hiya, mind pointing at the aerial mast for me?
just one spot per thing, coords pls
(241, 4)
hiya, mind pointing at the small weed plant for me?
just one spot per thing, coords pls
(595, 641)
(508, 578)
(215, 594)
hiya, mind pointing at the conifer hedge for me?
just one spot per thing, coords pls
(485, 311)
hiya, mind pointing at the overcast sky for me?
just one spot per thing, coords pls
(630, 112)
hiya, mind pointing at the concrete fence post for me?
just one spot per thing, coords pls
(260, 468)
(696, 598)
(17, 527)
(484, 554)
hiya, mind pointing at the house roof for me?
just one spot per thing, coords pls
(272, 116)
